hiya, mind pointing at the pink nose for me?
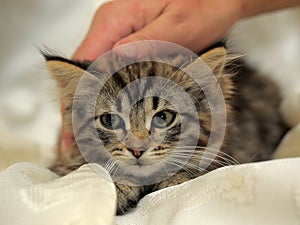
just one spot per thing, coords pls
(137, 152)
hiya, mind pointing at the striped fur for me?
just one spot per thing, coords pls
(253, 123)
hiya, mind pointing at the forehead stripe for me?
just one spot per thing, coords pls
(155, 101)
(119, 79)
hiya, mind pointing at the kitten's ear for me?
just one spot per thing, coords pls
(215, 59)
(66, 75)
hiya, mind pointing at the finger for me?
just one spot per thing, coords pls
(193, 30)
(112, 22)
(100, 37)
(183, 34)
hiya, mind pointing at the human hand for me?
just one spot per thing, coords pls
(194, 24)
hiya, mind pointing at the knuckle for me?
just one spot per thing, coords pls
(105, 7)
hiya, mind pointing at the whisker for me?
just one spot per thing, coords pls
(175, 160)
(174, 164)
(161, 160)
(112, 167)
(179, 163)
(196, 153)
(210, 149)
(190, 172)
(192, 154)
(216, 161)
(219, 159)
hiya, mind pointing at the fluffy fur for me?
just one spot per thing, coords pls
(253, 127)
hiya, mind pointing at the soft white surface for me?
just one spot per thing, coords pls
(32, 195)
(260, 193)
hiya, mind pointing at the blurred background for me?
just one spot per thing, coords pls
(29, 107)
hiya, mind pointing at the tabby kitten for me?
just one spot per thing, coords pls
(151, 130)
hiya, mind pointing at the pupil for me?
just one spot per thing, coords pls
(162, 116)
(110, 119)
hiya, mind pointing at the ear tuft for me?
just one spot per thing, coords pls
(215, 59)
(66, 74)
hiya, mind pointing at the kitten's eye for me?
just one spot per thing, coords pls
(111, 121)
(163, 119)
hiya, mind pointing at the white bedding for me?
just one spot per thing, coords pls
(260, 193)
(263, 193)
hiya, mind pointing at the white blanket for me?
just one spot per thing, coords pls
(260, 193)
(32, 195)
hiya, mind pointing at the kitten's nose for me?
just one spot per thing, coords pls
(137, 152)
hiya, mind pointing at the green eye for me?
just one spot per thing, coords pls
(163, 119)
(111, 121)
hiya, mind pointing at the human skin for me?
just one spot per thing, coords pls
(194, 24)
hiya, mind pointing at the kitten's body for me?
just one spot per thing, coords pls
(253, 124)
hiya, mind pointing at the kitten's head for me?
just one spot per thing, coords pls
(144, 110)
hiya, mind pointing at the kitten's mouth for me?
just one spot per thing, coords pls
(143, 169)
(139, 163)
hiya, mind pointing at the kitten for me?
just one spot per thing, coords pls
(253, 126)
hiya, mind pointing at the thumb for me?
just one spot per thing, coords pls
(154, 31)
